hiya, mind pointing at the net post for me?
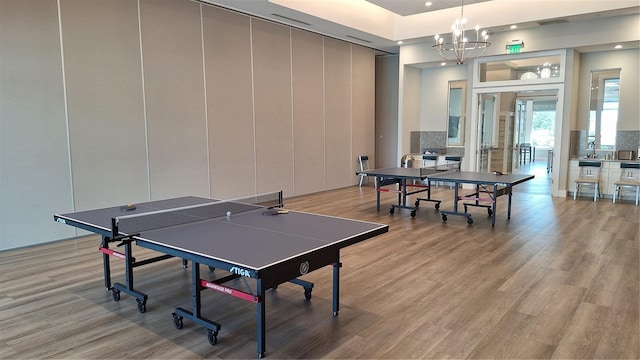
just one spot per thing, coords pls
(114, 227)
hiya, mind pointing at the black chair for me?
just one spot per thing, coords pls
(363, 160)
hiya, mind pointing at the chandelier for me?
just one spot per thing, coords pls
(461, 46)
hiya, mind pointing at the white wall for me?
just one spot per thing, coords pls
(434, 99)
(410, 118)
(627, 60)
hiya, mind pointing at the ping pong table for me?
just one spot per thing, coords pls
(409, 181)
(488, 187)
(247, 239)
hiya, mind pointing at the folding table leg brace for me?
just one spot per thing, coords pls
(258, 298)
(130, 263)
(196, 306)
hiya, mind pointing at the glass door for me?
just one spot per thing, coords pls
(520, 130)
(486, 131)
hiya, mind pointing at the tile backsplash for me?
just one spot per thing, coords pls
(628, 140)
(432, 141)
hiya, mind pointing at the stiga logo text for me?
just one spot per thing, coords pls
(238, 271)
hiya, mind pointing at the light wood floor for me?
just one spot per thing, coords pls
(558, 280)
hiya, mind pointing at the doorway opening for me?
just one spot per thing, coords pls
(517, 134)
(536, 124)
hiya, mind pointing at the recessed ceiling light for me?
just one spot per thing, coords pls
(428, 3)
(400, 42)
(514, 27)
(443, 63)
(618, 46)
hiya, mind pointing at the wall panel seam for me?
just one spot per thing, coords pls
(253, 110)
(324, 115)
(66, 111)
(206, 101)
(351, 108)
(144, 104)
(293, 135)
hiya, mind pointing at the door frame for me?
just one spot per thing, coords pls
(475, 124)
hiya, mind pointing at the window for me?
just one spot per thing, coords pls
(543, 124)
(603, 109)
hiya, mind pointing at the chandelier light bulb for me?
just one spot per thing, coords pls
(463, 45)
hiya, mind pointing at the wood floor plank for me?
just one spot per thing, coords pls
(619, 339)
(550, 326)
(584, 269)
(536, 299)
(506, 341)
(581, 338)
(603, 287)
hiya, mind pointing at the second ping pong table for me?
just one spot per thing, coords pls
(488, 187)
(410, 181)
(265, 243)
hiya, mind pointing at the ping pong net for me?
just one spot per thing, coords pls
(137, 223)
(439, 168)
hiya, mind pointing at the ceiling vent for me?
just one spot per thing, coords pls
(552, 22)
(359, 39)
(291, 19)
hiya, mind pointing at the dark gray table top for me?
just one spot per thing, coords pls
(250, 239)
(101, 218)
(443, 174)
(474, 177)
(407, 173)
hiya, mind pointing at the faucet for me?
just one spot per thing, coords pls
(592, 145)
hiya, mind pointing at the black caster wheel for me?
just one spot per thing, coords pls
(212, 336)
(465, 209)
(177, 321)
(413, 213)
(307, 293)
(392, 210)
(211, 269)
(444, 217)
(142, 307)
(469, 221)
(437, 206)
(335, 313)
(417, 203)
(490, 212)
(115, 294)
(260, 355)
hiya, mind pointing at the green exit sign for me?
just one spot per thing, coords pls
(514, 49)
(515, 46)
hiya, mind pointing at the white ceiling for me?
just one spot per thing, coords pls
(412, 7)
(380, 24)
